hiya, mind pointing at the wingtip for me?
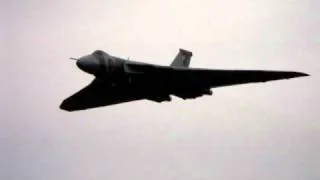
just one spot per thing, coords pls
(64, 106)
(301, 74)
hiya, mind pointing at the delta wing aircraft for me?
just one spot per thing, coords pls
(118, 80)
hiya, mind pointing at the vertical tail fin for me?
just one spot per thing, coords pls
(182, 59)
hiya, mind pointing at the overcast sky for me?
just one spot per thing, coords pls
(256, 131)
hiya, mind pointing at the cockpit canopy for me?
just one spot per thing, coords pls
(100, 53)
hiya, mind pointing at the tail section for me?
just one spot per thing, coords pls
(182, 59)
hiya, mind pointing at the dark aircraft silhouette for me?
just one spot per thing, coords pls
(118, 80)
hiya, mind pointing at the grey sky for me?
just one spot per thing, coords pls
(258, 131)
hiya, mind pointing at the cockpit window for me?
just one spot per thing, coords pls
(99, 52)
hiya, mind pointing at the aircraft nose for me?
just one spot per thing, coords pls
(88, 64)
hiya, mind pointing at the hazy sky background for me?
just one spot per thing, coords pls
(257, 131)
